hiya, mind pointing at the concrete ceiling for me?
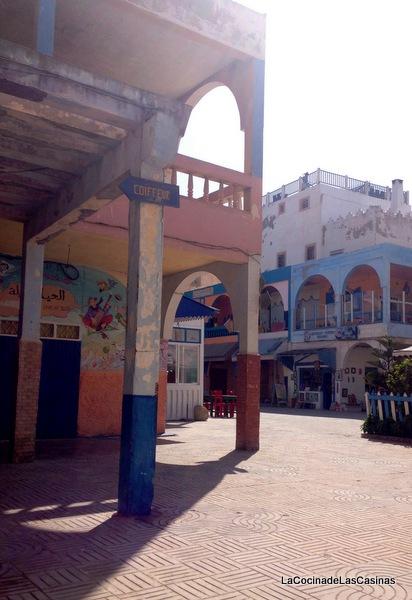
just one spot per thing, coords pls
(167, 48)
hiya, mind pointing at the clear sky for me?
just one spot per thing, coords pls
(338, 93)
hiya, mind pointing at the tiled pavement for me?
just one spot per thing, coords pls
(316, 500)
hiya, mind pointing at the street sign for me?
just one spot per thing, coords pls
(155, 192)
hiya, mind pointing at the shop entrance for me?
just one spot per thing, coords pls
(327, 389)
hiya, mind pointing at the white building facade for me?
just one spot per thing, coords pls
(343, 247)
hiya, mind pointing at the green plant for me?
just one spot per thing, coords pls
(390, 373)
(373, 425)
(399, 378)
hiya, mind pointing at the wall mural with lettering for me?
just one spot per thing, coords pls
(75, 296)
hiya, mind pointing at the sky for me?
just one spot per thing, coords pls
(337, 94)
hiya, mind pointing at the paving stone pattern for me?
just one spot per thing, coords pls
(316, 500)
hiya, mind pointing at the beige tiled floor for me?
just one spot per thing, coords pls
(316, 500)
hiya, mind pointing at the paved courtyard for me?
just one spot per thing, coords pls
(317, 500)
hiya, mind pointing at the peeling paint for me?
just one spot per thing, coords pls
(269, 222)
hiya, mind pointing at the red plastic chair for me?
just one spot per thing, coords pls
(232, 408)
(218, 404)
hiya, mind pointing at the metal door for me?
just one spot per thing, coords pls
(59, 389)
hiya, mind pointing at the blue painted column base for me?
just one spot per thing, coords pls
(137, 455)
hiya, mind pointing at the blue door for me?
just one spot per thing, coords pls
(8, 382)
(59, 389)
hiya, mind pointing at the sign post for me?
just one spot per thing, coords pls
(155, 192)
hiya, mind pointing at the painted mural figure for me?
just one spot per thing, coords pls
(96, 317)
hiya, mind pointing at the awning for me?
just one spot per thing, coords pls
(267, 348)
(404, 352)
(224, 351)
(190, 309)
(326, 356)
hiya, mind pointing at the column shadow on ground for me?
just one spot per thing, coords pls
(57, 514)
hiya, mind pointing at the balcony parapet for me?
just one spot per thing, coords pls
(203, 181)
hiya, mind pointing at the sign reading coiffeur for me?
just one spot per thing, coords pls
(155, 192)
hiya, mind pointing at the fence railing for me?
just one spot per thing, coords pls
(199, 180)
(401, 310)
(314, 315)
(334, 180)
(361, 308)
(388, 406)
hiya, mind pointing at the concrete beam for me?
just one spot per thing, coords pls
(69, 87)
(68, 119)
(17, 125)
(87, 192)
(218, 21)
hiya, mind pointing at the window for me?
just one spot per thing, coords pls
(183, 363)
(281, 208)
(304, 203)
(281, 260)
(181, 334)
(68, 332)
(9, 327)
(310, 253)
(188, 364)
(46, 330)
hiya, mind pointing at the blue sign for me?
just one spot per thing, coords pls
(155, 192)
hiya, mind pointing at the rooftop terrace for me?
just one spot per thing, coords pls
(333, 180)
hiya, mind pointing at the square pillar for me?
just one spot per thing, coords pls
(162, 389)
(243, 286)
(23, 440)
(139, 416)
(248, 404)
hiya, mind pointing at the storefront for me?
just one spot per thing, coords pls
(313, 375)
(185, 370)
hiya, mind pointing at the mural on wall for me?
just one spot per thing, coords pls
(75, 296)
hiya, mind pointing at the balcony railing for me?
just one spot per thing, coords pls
(314, 315)
(401, 310)
(202, 181)
(362, 307)
(334, 180)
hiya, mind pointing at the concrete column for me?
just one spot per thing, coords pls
(248, 409)
(160, 138)
(162, 389)
(30, 349)
(386, 293)
(138, 438)
(245, 302)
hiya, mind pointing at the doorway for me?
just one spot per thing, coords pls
(59, 389)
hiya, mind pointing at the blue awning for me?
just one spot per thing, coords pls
(190, 309)
(267, 348)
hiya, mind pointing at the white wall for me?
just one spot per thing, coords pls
(292, 230)
(363, 229)
(321, 224)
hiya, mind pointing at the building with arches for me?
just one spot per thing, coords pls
(88, 103)
(347, 246)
